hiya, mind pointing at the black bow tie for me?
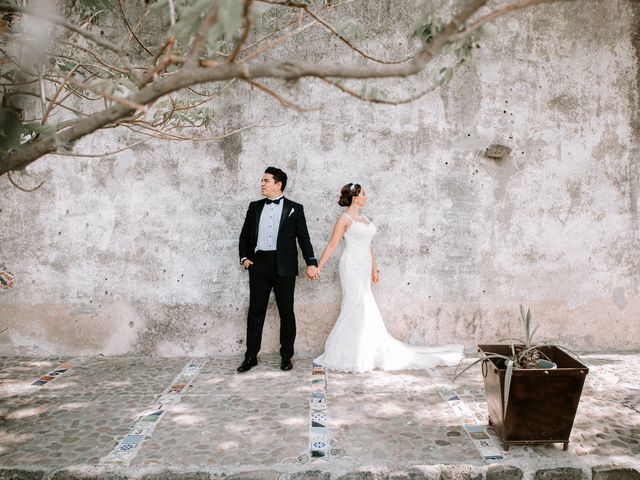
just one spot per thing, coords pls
(276, 201)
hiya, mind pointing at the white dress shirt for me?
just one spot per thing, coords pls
(269, 225)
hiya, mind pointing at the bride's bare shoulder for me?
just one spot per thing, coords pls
(345, 219)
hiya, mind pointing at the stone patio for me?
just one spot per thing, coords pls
(257, 425)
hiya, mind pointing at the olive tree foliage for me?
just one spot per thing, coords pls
(78, 77)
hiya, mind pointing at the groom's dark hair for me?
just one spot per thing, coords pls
(278, 176)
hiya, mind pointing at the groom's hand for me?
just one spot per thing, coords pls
(312, 272)
(247, 263)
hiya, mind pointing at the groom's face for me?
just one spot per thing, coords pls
(270, 188)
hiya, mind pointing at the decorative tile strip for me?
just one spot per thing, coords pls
(475, 428)
(126, 449)
(7, 279)
(318, 431)
(56, 372)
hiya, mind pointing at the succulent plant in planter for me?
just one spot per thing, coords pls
(532, 390)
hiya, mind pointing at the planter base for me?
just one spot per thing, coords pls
(507, 443)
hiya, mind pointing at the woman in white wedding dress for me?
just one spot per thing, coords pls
(359, 341)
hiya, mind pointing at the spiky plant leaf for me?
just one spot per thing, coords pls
(508, 374)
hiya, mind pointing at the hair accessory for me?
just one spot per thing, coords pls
(352, 187)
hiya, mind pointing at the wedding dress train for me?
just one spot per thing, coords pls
(359, 341)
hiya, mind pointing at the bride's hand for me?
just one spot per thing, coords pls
(374, 276)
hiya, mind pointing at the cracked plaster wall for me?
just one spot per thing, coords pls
(137, 253)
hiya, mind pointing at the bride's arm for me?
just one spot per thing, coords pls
(338, 232)
(374, 268)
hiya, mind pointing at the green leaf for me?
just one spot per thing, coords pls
(104, 85)
(64, 65)
(11, 132)
(95, 5)
(446, 75)
(159, 6)
(124, 81)
(230, 17)
(190, 20)
(490, 31)
(352, 30)
(214, 42)
(428, 27)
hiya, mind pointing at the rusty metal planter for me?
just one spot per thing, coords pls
(542, 402)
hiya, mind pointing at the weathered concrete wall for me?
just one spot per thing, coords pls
(138, 252)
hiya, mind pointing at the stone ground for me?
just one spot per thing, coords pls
(256, 425)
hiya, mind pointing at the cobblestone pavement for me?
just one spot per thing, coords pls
(229, 423)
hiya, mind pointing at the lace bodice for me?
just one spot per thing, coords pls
(359, 234)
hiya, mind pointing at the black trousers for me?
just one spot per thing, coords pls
(263, 277)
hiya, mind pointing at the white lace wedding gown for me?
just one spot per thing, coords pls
(359, 341)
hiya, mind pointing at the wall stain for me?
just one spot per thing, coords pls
(634, 101)
(231, 150)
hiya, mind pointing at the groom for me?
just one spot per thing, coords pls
(268, 251)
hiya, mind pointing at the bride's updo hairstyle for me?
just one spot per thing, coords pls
(347, 193)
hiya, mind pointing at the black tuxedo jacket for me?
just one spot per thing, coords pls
(293, 226)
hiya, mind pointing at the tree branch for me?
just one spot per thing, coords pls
(190, 75)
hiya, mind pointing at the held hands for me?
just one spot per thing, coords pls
(313, 272)
(246, 264)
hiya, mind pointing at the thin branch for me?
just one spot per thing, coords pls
(38, 49)
(172, 12)
(28, 190)
(125, 46)
(105, 154)
(278, 40)
(327, 6)
(219, 91)
(332, 30)
(55, 96)
(96, 56)
(284, 102)
(131, 30)
(172, 136)
(499, 13)
(154, 69)
(43, 101)
(19, 84)
(41, 13)
(17, 64)
(59, 104)
(114, 98)
(383, 101)
(245, 33)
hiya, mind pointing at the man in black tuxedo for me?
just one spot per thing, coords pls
(268, 250)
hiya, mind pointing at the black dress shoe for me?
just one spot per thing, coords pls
(286, 364)
(247, 363)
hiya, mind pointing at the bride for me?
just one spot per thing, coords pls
(359, 341)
